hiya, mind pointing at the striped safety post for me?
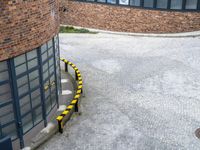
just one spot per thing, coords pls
(74, 102)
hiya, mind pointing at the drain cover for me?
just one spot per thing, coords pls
(197, 133)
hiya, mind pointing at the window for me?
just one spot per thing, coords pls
(148, 3)
(29, 73)
(103, 1)
(162, 3)
(176, 4)
(111, 1)
(191, 4)
(135, 2)
(7, 115)
(124, 2)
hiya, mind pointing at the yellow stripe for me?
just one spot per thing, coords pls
(73, 65)
(80, 82)
(78, 92)
(79, 75)
(74, 102)
(77, 71)
(77, 96)
(59, 118)
(70, 106)
(65, 112)
(80, 87)
(70, 63)
(79, 78)
(65, 61)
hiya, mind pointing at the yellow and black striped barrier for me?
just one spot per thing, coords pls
(75, 100)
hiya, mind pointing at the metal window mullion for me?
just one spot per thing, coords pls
(1, 133)
(169, 4)
(42, 86)
(155, 4)
(55, 73)
(141, 3)
(198, 5)
(183, 4)
(16, 105)
(59, 60)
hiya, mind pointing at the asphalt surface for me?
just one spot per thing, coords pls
(140, 93)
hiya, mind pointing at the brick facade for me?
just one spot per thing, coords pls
(127, 19)
(26, 24)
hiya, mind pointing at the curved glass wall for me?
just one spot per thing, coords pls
(181, 5)
(29, 88)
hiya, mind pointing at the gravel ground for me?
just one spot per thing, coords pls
(141, 93)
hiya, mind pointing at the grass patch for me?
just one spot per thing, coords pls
(70, 29)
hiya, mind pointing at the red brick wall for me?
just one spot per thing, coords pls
(126, 19)
(26, 24)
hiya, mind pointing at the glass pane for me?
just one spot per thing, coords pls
(5, 98)
(103, 1)
(51, 70)
(21, 81)
(43, 48)
(23, 89)
(191, 4)
(37, 115)
(20, 69)
(44, 56)
(35, 93)
(45, 75)
(111, 1)
(10, 130)
(34, 83)
(6, 114)
(4, 76)
(47, 94)
(32, 63)
(3, 66)
(25, 105)
(45, 67)
(32, 54)
(51, 61)
(52, 79)
(36, 101)
(50, 51)
(162, 3)
(33, 75)
(135, 2)
(123, 2)
(4, 88)
(176, 4)
(19, 60)
(48, 105)
(27, 122)
(148, 3)
(50, 43)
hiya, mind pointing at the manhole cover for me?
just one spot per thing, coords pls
(197, 133)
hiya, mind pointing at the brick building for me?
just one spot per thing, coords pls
(29, 68)
(142, 16)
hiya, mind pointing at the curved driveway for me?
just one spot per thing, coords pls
(141, 93)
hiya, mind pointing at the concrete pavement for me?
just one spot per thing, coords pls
(142, 93)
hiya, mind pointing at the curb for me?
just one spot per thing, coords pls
(163, 35)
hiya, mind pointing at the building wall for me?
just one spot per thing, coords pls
(25, 25)
(127, 19)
